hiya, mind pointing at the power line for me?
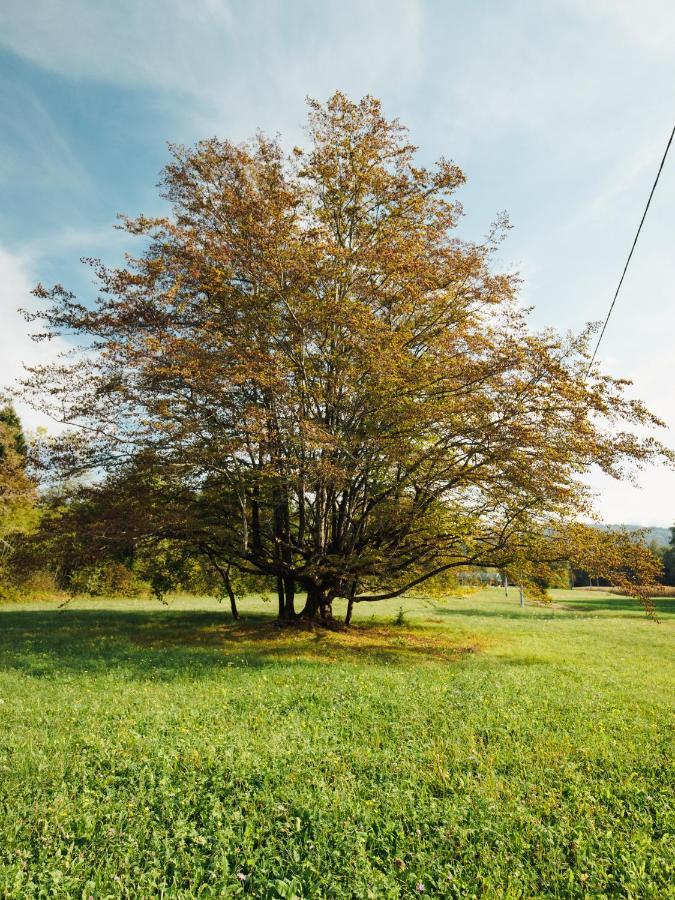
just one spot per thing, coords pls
(637, 235)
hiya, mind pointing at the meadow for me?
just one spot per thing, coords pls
(469, 748)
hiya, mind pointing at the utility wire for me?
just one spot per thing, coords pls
(637, 235)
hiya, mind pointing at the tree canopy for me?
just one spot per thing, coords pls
(308, 375)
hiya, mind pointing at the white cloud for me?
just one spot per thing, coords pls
(230, 63)
(638, 345)
(650, 503)
(157, 42)
(649, 23)
(16, 347)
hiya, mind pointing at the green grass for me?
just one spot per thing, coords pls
(476, 750)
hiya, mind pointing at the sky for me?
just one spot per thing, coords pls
(557, 112)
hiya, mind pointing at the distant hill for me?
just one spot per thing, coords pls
(660, 535)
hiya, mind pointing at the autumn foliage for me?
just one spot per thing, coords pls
(308, 375)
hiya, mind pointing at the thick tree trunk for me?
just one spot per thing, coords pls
(319, 604)
(312, 604)
(326, 610)
(286, 595)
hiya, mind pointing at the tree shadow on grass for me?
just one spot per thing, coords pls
(168, 645)
(625, 607)
(615, 606)
(529, 612)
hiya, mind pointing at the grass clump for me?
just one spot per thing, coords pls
(400, 617)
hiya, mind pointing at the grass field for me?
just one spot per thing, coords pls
(476, 750)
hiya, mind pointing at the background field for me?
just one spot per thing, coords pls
(476, 750)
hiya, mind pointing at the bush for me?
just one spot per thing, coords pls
(109, 579)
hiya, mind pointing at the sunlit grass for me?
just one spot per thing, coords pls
(477, 749)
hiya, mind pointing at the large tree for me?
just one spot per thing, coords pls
(326, 384)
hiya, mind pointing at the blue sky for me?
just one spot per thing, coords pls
(558, 112)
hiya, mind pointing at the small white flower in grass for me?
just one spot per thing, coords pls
(241, 876)
(419, 887)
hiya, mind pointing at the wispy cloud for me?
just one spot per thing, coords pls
(32, 145)
(231, 60)
(163, 43)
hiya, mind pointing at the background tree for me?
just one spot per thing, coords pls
(136, 529)
(18, 513)
(669, 560)
(346, 394)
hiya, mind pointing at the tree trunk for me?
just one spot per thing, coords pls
(225, 578)
(289, 592)
(326, 609)
(286, 595)
(350, 603)
(312, 604)
(282, 598)
(230, 594)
